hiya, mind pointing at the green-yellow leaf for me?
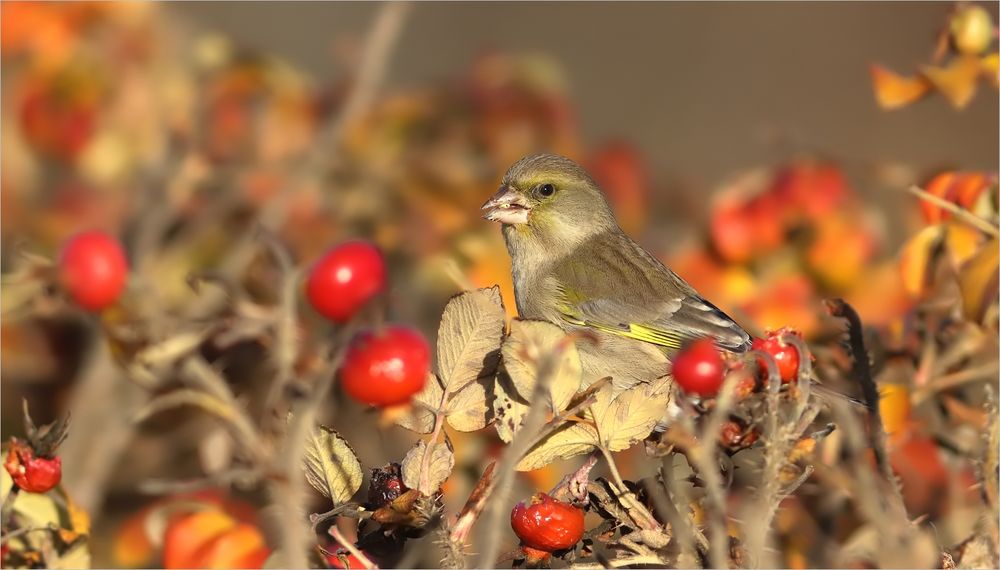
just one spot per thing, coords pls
(630, 416)
(569, 441)
(331, 466)
(469, 337)
(420, 416)
(438, 467)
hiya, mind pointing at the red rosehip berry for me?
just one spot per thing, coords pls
(785, 355)
(387, 367)
(30, 473)
(93, 270)
(698, 368)
(345, 278)
(547, 524)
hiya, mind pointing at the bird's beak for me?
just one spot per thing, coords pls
(507, 206)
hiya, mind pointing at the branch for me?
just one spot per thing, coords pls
(959, 212)
(861, 370)
(524, 439)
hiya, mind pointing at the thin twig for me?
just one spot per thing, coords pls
(346, 544)
(642, 516)
(522, 442)
(704, 458)
(10, 535)
(959, 212)
(7, 510)
(655, 561)
(287, 490)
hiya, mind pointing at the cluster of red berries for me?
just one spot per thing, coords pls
(383, 367)
(699, 368)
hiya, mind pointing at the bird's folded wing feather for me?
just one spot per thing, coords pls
(617, 287)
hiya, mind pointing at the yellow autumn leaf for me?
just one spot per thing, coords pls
(957, 81)
(894, 91)
(978, 281)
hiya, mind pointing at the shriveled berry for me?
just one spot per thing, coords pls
(386, 486)
(387, 367)
(93, 270)
(30, 473)
(547, 524)
(345, 279)
(735, 437)
(785, 355)
(698, 368)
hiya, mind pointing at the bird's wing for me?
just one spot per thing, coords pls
(615, 286)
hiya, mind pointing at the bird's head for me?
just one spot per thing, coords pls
(551, 199)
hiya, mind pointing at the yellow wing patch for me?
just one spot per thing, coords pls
(638, 332)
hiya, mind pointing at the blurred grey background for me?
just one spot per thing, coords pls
(703, 88)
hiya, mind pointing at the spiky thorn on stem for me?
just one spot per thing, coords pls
(862, 373)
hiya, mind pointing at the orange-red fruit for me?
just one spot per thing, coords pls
(785, 355)
(547, 524)
(698, 368)
(56, 125)
(212, 539)
(345, 279)
(810, 187)
(386, 367)
(30, 473)
(93, 270)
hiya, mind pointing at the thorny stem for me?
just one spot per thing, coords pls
(339, 537)
(681, 528)
(287, 489)
(473, 506)
(8, 506)
(286, 343)
(861, 370)
(7, 536)
(949, 381)
(703, 456)
(959, 212)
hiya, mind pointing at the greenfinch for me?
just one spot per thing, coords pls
(573, 266)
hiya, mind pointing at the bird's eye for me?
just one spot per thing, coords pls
(546, 190)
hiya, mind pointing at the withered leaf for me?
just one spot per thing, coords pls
(469, 337)
(420, 417)
(569, 441)
(438, 467)
(525, 348)
(468, 353)
(629, 416)
(977, 281)
(331, 466)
